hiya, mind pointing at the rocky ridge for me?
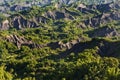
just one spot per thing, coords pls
(21, 41)
(110, 13)
(19, 21)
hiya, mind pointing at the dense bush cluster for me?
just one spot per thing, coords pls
(51, 64)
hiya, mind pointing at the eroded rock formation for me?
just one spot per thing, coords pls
(20, 41)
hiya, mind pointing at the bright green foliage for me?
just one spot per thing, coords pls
(90, 59)
(45, 63)
(5, 75)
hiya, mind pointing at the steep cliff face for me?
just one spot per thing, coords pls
(103, 19)
(104, 32)
(110, 12)
(4, 25)
(105, 48)
(19, 23)
(67, 46)
(108, 15)
(79, 14)
(21, 41)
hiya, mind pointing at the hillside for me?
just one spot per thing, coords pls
(7, 6)
(70, 41)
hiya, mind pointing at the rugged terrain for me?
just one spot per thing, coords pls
(62, 40)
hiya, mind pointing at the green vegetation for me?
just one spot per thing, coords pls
(46, 63)
(94, 56)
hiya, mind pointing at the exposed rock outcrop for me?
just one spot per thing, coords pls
(63, 14)
(104, 32)
(20, 21)
(102, 19)
(4, 25)
(62, 45)
(109, 12)
(105, 48)
(20, 41)
(18, 8)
